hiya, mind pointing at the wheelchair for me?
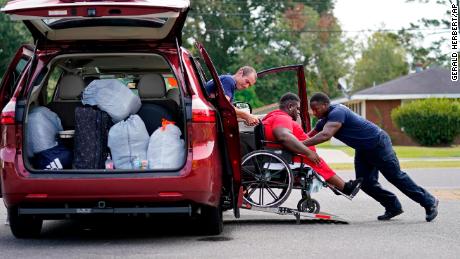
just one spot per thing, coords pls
(269, 174)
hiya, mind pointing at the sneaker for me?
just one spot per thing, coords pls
(352, 187)
(432, 211)
(389, 214)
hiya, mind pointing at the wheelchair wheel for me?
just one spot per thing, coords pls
(266, 178)
(308, 205)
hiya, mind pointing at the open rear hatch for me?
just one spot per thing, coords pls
(69, 20)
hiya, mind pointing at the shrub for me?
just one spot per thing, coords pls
(430, 122)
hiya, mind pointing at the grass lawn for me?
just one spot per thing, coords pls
(407, 151)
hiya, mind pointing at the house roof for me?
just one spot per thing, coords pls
(433, 82)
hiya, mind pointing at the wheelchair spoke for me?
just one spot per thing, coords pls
(269, 163)
(251, 190)
(249, 182)
(278, 172)
(277, 184)
(272, 193)
(261, 194)
(256, 164)
(249, 172)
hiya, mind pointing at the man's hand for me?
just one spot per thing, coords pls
(251, 120)
(313, 156)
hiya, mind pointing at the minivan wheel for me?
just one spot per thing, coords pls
(24, 226)
(211, 221)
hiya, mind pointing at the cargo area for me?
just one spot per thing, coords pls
(105, 113)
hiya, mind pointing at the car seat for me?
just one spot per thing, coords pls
(68, 93)
(155, 105)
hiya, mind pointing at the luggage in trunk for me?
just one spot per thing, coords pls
(91, 132)
(56, 158)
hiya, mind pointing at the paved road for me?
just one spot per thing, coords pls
(259, 235)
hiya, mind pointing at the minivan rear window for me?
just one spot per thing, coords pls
(66, 23)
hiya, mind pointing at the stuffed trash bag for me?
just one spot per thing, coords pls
(166, 148)
(43, 126)
(113, 97)
(128, 141)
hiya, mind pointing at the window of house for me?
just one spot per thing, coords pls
(356, 107)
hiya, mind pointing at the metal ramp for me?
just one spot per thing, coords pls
(299, 215)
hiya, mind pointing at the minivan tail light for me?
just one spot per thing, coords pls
(8, 113)
(203, 115)
(201, 112)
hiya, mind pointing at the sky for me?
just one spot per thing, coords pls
(356, 15)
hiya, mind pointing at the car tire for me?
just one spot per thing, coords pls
(211, 221)
(24, 226)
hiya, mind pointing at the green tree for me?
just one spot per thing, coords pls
(300, 35)
(415, 33)
(12, 35)
(217, 24)
(253, 33)
(383, 59)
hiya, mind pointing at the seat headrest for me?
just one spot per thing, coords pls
(151, 86)
(174, 95)
(70, 87)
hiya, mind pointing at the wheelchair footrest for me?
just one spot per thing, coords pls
(322, 216)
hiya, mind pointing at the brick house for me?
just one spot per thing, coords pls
(376, 103)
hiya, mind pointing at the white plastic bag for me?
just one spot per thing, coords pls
(43, 126)
(113, 97)
(166, 148)
(128, 141)
(316, 185)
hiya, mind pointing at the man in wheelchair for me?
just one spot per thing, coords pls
(280, 126)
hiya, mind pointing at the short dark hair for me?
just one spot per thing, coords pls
(321, 98)
(287, 98)
(248, 70)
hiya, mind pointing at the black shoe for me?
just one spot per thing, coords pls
(335, 192)
(352, 187)
(432, 211)
(390, 214)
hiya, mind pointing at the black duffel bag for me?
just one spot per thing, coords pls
(55, 158)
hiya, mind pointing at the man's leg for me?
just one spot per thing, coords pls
(388, 165)
(336, 181)
(349, 188)
(371, 186)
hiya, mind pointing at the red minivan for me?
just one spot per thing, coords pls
(129, 40)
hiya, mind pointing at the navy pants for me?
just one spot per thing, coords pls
(382, 158)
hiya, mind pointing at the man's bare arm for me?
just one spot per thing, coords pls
(326, 134)
(248, 118)
(312, 133)
(291, 143)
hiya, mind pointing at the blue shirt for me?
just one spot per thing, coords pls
(356, 131)
(228, 83)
